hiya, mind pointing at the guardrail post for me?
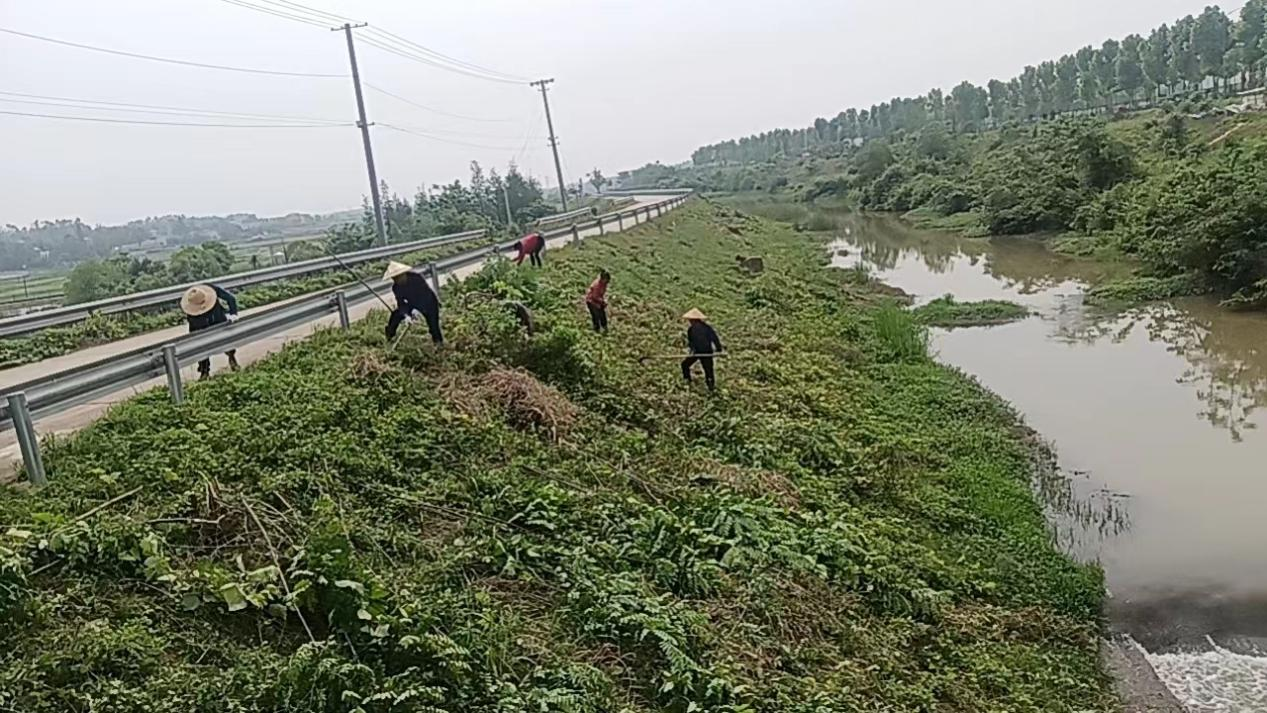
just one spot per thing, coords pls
(620, 220)
(341, 303)
(172, 367)
(576, 234)
(601, 231)
(435, 277)
(27, 439)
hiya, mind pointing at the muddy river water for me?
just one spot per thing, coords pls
(1157, 421)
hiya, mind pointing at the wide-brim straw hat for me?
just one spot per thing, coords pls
(694, 314)
(394, 269)
(198, 300)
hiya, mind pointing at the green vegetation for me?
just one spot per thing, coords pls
(119, 275)
(946, 312)
(1136, 147)
(1196, 58)
(548, 525)
(100, 329)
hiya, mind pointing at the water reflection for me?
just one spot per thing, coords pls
(1225, 366)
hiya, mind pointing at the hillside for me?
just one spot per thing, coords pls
(559, 524)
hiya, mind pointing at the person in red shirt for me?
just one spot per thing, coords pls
(530, 245)
(596, 301)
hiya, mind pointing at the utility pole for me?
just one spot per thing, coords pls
(554, 142)
(365, 134)
(510, 222)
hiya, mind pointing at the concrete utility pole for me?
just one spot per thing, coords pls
(365, 134)
(510, 222)
(554, 142)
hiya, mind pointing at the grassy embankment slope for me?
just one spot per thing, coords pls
(550, 526)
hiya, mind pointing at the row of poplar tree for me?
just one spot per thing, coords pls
(1209, 52)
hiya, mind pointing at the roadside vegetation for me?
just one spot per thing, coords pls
(556, 524)
(946, 312)
(103, 328)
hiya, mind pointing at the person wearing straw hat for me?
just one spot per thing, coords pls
(704, 344)
(412, 294)
(204, 307)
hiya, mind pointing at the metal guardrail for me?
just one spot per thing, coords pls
(24, 324)
(26, 402)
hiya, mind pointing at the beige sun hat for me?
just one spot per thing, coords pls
(198, 300)
(694, 314)
(395, 268)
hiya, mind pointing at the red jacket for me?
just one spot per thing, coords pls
(597, 293)
(528, 245)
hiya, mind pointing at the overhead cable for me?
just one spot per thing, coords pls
(277, 13)
(151, 108)
(168, 60)
(379, 38)
(297, 7)
(441, 139)
(424, 107)
(421, 59)
(390, 37)
(171, 123)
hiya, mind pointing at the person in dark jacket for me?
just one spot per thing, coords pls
(704, 344)
(412, 294)
(205, 306)
(530, 245)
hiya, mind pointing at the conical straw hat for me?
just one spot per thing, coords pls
(197, 300)
(694, 314)
(395, 268)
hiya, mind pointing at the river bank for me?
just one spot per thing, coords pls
(1155, 414)
(561, 523)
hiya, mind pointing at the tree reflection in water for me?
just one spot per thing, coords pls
(1225, 364)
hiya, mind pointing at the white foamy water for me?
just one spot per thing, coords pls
(1216, 680)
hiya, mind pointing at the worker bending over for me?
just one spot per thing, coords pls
(203, 308)
(704, 344)
(532, 245)
(596, 301)
(412, 294)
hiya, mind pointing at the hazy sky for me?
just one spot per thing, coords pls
(636, 82)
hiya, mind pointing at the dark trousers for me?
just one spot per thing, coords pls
(706, 362)
(204, 366)
(598, 315)
(535, 257)
(433, 325)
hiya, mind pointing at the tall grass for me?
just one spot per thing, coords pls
(901, 337)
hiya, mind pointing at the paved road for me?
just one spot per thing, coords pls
(77, 417)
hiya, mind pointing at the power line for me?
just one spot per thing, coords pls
(151, 108)
(443, 140)
(172, 123)
(415, 47)
(456, 132)
(168, 60)
(382, 39)
(434, 110)
(307, 10)
(296, 7)
(277, 13)
(416, 57)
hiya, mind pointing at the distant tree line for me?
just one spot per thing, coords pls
(451, 208)
(60, 243)
(123, 274)
(1209, 51)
